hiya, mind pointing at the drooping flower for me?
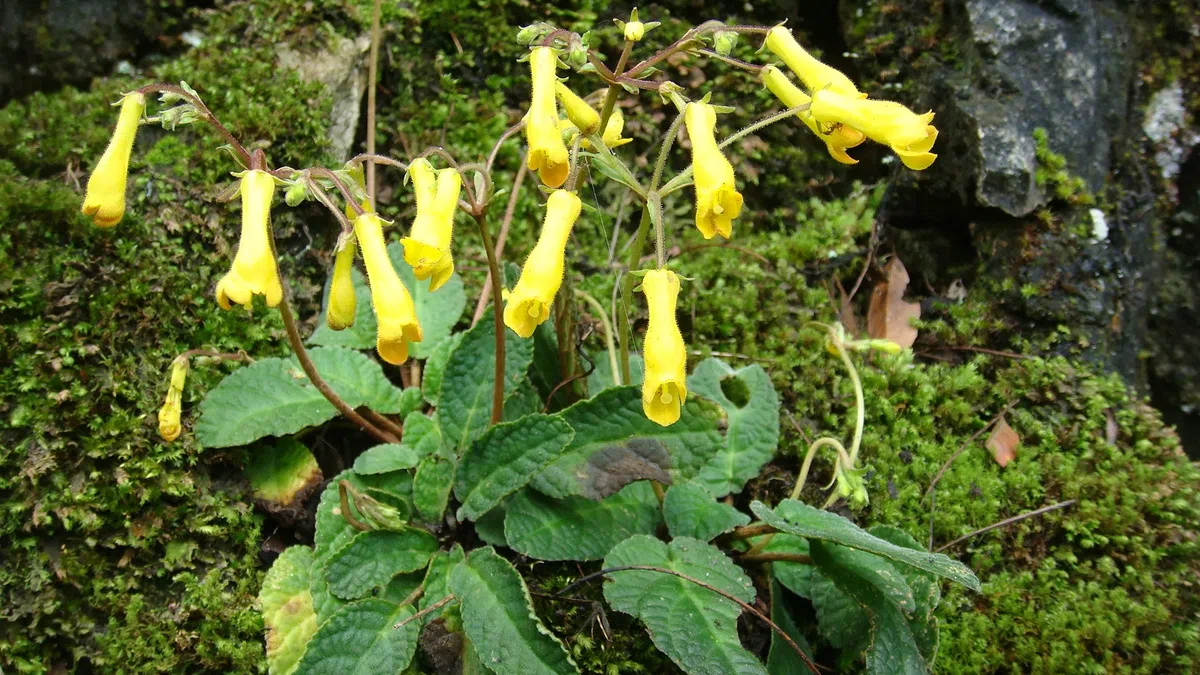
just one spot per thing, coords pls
(528, 305)
(105, 198)
(253, 271)
(169, 415)
(665, 387)
(612, 132)
(340, 313)
(814, 74)
(427, 247)
(547, 152)
(395, 313)
(837, 137)
(911, 136)
(583, 116)
(718, 201)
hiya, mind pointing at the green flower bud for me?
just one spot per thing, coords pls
(724, 41)
(296, 194)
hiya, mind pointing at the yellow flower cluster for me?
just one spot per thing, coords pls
(840, 114)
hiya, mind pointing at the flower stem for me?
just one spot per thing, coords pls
(610, 97)
(372, 71)
(293, 333)
(627, 284)
(498, 315)
(208, 116)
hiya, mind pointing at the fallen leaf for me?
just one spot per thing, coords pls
(1003, 442)
(1110, 427)
(888, 315)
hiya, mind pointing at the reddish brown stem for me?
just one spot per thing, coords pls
(498, 315)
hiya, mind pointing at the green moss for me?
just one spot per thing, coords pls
(1052, 173)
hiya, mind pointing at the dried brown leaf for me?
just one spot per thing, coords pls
(888, 315)
(1003, 442)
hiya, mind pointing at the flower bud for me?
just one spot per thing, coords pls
(169, 415)
(579, 112)
(635, 31)
(724, 41)
(340, 313)
(296, 194)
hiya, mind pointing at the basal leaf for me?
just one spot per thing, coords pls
(435, 367)
(692, 625)
(691, 511)
(437, 578)
(287, 609)
(498, 618)
(782, 659)
(386, 457)
(372, 558)
(575, 528)
(927, 592)
(891, 649)
(505, 458)
(796, 577)
(805, 521)
(615, 445)
(437, 312)
(360, 640)
(490, 526)
(753, 432)
(602, 376)
(273, 397)
(465, 411)
(283, 473)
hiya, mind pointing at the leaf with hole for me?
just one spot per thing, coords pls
(615, 445)
(692, 511)
(498, 619)
(752, 407)
(692, 625)
(575, 528)
(505, 458)
(813, 524)
(273, 397)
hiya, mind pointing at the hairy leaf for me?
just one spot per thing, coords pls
(360, 640)
(287, 609)
(437, 578)
(279, 474)
(782, 659)
(435, 367)
(498, 618)
(386, 457)
(575, 528)
(372, 558)
(753, 431)
(505, 458)
(691, 511)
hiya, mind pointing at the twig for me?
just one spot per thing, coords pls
(347, 512)
(993, 352)
(863, 274)
(1008, 521)
(289, 324)
(502, 238)
(728, 596)
(413, 597)
(550, 596)
(968, 442)
(741, 249)
(425, 612)
(372, 71)
(749, 531)
(498, 315)
(801, 558)
(609, 338)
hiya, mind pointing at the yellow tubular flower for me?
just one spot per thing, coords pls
(528, 305)
(612, 132)
(547, 152)
(582, 115)
(910, 135)
(394, 309)
(169, 415)
(665, 386)
(253, 272)
(717, 200)
(839, 137)
(814, 74)
(427, 248)
(105, 198)
(339, 315)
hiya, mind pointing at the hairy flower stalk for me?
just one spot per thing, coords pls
(718, 201)
(395, 313)
(343, 304)
(427, 247)
(910, 136)
(105, 198)
(814, 74)
(837, 137)
(665, 386)
(529, 303)
(169, 415)
(253, 271)
(547, 153)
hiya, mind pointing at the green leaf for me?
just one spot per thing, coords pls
(401, 587)
(753, 431)
(325, 604)
(435, 474)
(575, 528)
(796, 577)
(332, 526)
(437, 579)
(927, 592)
(694, 626)
(692, 511)
(283, 474)
(615, 445)
(490, 526)
(287, 609)
(498, 618)
(387, 457)
(524, 401)
(891, 649)
(470, 374)
(505, 458)
(437, 312)
(782, 659)
(602, 376)
(360, 640)
(372, 558)
(273, 397)
(805, 521)
(435, 367)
